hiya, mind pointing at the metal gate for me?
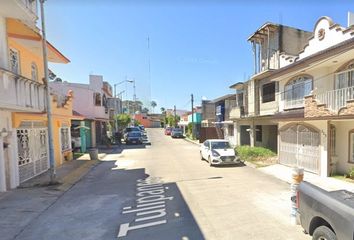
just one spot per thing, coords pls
(32, 152)
(300, 146)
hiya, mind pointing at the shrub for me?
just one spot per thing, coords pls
(248, 153)
(351, 173)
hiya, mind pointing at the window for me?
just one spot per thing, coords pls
(230, 130)
(34, 72)
(259, 133)
(268, 92)
(14, 61)
(345, 78)
(65, 139)
(296, 90)
(351, 146)
(104, 103)
(97, 99)
(239, 99)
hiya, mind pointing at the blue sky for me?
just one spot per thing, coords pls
(197, 47)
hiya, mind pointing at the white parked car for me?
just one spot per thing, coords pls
(218, 152)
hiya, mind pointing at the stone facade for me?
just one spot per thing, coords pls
(313, 109)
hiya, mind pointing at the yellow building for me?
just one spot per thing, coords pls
(61, 121)
(24, 138)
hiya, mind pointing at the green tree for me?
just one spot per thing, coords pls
(123, 120)
(171, 120)
(145, 110)
(153, 105)
(163, 110)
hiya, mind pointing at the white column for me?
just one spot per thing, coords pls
(236, 136)
(252, 136)
(93, 133)
(2, 166)
(3, 43)
(13, 156)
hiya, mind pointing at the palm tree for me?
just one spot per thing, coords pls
(162, 109)
(153, 105)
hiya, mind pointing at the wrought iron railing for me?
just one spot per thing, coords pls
(336, 99)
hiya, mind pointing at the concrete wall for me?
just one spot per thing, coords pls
(83, 100)
(61, 118)
(332, 37)
(293, 40)
(8, 155)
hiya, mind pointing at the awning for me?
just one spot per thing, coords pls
(32, 39)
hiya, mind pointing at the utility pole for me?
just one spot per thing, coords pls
(174, 111)
(192, 100)
(49, 110)
(134, 97)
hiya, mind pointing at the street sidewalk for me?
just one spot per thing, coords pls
(20, 207)
(284, 173)
(328, 183)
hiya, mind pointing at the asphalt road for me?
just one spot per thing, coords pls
(164, 191)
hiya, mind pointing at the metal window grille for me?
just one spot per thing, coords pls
(14, 61)
(65, 139)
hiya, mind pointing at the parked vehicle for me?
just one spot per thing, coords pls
(177, 133)
(218, 152)
(326, 215)
(130, 129)
(133, 137)
(142, 128)
(168, 131)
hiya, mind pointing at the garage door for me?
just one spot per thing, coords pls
(300, 146)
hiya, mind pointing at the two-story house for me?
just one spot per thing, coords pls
(215, 118)
(316, 127)
(90, 102)
(23, 148)
(257, 99)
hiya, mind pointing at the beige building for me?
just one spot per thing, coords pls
(257, 100)
(301, 104)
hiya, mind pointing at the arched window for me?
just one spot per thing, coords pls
(344, 76)
(34, 72)
(296, 89)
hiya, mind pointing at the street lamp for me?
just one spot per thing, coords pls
(116, 84)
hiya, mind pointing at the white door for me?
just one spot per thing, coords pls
(32, 152)
(300, 146)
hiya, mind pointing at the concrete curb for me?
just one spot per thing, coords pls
(191, 141)
(74, 176)
(250, 164)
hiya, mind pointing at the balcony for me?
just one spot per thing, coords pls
(21, 94)
(336, 99)
(237, 112)
(25, 10)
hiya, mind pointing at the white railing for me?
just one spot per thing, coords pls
(337, 98)
(20, 93)
(293, 103)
